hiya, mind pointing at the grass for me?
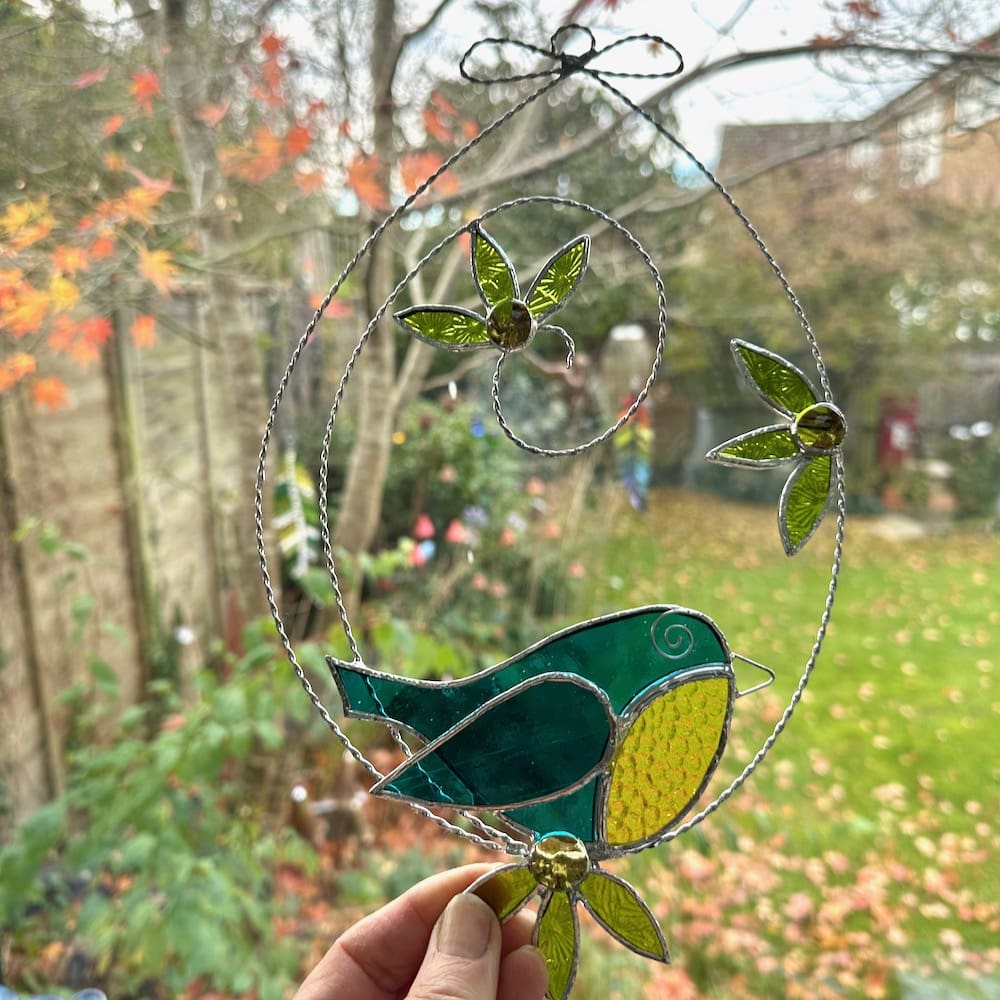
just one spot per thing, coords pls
(859, 860)
(870, 832)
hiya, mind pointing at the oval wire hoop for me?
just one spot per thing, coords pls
(490, 837)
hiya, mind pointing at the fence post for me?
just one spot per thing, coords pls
(125, 447)
(40, 697)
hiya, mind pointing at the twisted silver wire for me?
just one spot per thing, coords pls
(779, 726)
(747, 224)
(661, 334)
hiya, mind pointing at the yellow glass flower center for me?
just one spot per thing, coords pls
(820, 427)
(559, 862)
(510, 325)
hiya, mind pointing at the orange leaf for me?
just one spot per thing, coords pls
(414, 168)
(212, 114)
(362, 178)
(63, 331)
(97, 329)
(158, 268)
(298, 139)
(10, 278)
(145, 86)
(26, 310)
(27, 222)
(274, 76)
(64, 293)
(15, 368)
(103, 246)
(443, 104)
(261, 161)
(144, 331)
(309, 182)
(470, 129)
(435, 126)
(112, 125)
(50, 393)
(155, 184)
(271, 43)
(91, 77)
(84, 353)
(135, 204)
(335, 310)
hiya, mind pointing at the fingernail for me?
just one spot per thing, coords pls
(465, 928)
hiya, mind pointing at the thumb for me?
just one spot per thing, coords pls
(463, 957)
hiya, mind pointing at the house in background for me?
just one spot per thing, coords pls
(873, 189)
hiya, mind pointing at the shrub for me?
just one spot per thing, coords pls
(156, 861)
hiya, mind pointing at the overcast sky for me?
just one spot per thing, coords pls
(791, 90)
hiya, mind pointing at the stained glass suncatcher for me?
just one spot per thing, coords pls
(602, 739)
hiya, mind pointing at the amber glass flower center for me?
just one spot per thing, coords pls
(820, 427)
(510, 325)
(559, 862)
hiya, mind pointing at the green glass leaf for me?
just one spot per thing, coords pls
(492, 270)
(557, 938)
(558, 278)
(778, 382)
(445, 326)
(505, 890)
(803, 502)
(764, 447)
(617, 907)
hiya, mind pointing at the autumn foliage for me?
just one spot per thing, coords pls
(76, 270)
(78, 267)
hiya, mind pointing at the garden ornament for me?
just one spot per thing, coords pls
(601, 739)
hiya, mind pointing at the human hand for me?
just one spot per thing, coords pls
(432, 943)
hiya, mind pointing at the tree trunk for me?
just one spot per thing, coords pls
(230, 325)
(361, 506)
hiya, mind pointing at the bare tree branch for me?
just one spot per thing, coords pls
(530, 166)
(422, 29)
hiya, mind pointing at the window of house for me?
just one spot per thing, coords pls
(977, 101)
(864, 154)
(921, 140)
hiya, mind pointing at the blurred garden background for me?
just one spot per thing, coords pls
(182, 181)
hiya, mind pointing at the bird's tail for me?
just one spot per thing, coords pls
(388, 698)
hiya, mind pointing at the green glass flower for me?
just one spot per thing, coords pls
(511, 319)
(808, 438)
(560, 869)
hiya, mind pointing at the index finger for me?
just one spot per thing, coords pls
(379, 956)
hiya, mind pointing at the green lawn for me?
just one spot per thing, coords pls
(861, 859)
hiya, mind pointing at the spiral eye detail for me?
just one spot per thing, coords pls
(673, 642)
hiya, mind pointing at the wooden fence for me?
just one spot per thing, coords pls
(114, 515)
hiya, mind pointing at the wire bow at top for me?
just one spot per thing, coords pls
(566, 63)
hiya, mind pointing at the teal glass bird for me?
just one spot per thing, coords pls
(607, 731)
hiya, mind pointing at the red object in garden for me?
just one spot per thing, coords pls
(456, 533)
(897, 433)
(423, 528)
